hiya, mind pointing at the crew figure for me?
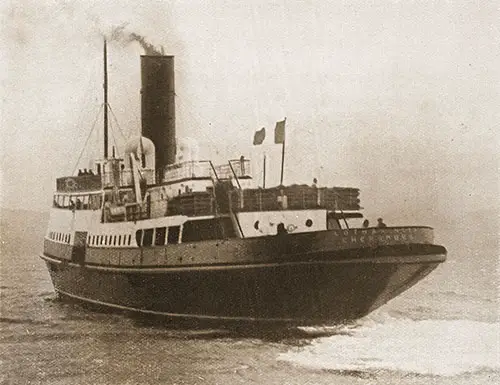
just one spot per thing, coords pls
(107, 209)
(242, 165)
(381, 223)
(366, 223)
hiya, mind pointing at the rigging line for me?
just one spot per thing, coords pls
(116, 121)
(88, 138)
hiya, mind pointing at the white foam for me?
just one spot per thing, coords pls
(432, 347)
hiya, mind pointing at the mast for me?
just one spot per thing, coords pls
(105, 101)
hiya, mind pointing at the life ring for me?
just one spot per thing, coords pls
(70, 184)
(291, 228)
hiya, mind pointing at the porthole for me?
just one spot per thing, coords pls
(309, 223)
(256, 225)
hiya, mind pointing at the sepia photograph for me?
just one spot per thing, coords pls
(250, 192)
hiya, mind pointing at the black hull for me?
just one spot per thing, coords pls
(334, 287)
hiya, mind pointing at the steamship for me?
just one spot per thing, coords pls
(198, 240)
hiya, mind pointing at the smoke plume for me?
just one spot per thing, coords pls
(149, 48)
(119, 34)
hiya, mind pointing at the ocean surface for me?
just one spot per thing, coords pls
(445, 330)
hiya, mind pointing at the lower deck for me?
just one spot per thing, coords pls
(278, 248)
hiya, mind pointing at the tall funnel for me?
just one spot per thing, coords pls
(158, 108)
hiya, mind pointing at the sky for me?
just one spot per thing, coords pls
(398, 98)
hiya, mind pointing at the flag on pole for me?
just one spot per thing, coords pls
(259, 136)
(279, 132)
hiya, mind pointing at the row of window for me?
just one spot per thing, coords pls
(78, 202)
(157, 236)
(192, 231)
(59, 237)
(109, 240)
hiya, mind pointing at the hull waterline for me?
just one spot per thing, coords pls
(331, 288)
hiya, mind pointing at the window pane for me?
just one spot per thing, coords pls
(173, 234)
(205, 229)
(148, 237)
(160, 236)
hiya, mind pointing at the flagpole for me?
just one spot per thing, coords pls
(282, 158)
(105, 86)
(282, 162)
(264, 173)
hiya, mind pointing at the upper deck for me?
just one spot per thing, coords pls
(237, 169)
(192, 189)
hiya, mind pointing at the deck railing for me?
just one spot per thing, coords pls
(188, 170)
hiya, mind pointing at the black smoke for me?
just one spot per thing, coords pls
(119, 34)
(149, 49)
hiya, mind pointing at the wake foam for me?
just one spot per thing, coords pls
(430, 347)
